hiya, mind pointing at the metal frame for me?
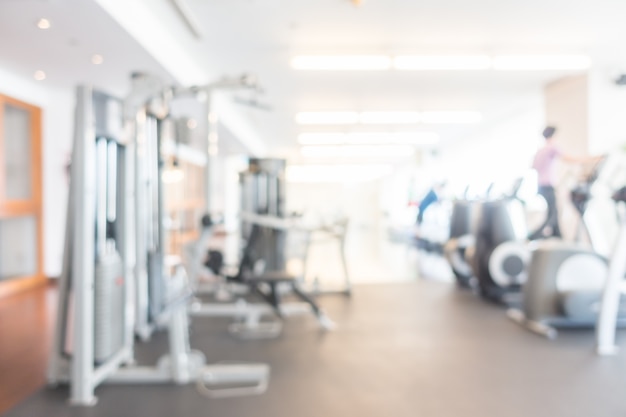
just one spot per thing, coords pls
(77, 288)
(249, 316)
(608, 319)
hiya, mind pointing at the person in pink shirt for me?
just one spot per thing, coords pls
(545, 163)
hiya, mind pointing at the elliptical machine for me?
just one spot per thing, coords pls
(501, 253)
(462, 237)
(565, 280)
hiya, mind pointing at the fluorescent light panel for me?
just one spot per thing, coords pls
(389, 117)
(441, 62)
(341, 62)
(362, 151)
(383, 117)
(369, 138)
(451, 117)
(541, 62)
(331, 118)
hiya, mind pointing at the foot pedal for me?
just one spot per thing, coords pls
(233, 380)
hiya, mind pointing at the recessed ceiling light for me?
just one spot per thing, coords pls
(341, 62)
(328, 118)
(39, 75)
(97, 59)
(441, 62)
(192, 124)
(541, 62)
(43, 24)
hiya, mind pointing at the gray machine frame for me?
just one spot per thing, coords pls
(73, 359)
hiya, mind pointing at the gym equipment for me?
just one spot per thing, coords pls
(329, 232)
(501, 252)
(565, 281)
(254, 275)
(94, 335)
(462, 237)
(611, 307)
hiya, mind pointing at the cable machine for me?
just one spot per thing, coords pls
(113, 268)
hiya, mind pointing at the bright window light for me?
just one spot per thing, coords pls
(441, 62)
(354, 151)
(172, 175)
(541, 62)
(451, 117)
(341, 62)
(389, 117)
(322, 138)
(337, 173)
(327, 118)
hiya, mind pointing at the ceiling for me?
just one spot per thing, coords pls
(260, 36)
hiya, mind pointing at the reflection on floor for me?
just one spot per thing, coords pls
(26, 324)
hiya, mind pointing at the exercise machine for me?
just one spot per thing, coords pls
(565, 281)
(462, 237)
(611, 306)
(501, 252)
(94, 334)
(266, 284)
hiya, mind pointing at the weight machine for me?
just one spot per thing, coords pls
(114, 274)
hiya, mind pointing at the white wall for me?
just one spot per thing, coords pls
(57, 106)
(567, 108)
(501, 151)
(607, 113)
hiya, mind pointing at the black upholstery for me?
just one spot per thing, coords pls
(271, 279)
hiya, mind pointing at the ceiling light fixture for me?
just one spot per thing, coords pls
(369, 138)
(341, 62)
(43, 24)
(327, 118)
(389, 117)
(395, 138)
(364, 151)
(39, 75)
(322, 138)
(541, 62)
(451, 117)
(441, 62)
(97, 59)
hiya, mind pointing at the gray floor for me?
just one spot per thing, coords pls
(409, 349)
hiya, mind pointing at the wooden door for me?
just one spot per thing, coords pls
(21, 237)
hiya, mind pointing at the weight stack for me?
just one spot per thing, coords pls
(108, 306)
